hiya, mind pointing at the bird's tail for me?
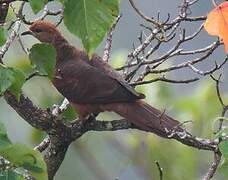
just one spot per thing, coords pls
(145, 117)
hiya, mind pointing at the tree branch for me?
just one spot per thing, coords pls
(214, 166)
(108, 44)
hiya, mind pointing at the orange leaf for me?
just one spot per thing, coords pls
(217, 23)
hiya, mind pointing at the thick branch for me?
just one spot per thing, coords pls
(55, 153)
(80, 127)
(36, 117)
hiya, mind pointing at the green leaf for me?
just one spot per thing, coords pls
(2, 36)
(223, 146)
(17, 84)
(43, 58)
(4, 140)
(90, 20)
(6, 78)
(23, 156)
(37, 5)
(11, 79)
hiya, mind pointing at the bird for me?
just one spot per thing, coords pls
(92, 86)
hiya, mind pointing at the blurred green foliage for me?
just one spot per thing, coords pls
(23, 156)
(11, 79)
(20, 156)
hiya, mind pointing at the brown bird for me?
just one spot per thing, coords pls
(92, 86)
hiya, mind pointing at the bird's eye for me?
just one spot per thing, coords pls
(38, 30)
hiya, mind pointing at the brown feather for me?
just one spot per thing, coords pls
(144, 116)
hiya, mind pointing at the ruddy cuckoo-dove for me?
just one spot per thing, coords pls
(92, 86)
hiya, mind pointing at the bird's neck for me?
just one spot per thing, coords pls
(63, 49)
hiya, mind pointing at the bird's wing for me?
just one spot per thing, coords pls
(82, 83)
(107, 69)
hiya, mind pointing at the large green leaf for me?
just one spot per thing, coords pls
(90, 19)
(4, 140)
(2, 36)
(11, 79)
(37, 5)
(23, 156)
(43, 58)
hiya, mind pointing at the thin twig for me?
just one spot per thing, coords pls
(143, 15)
(108, 44)
(43, 145)
(10, 39)
(224, 106)
(59, 109)
(164, 79)
(160, 170)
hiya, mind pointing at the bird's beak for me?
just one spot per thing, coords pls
(27, 33)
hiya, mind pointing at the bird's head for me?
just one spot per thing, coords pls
(44, 31)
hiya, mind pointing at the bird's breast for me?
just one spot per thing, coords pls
(69, 82)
